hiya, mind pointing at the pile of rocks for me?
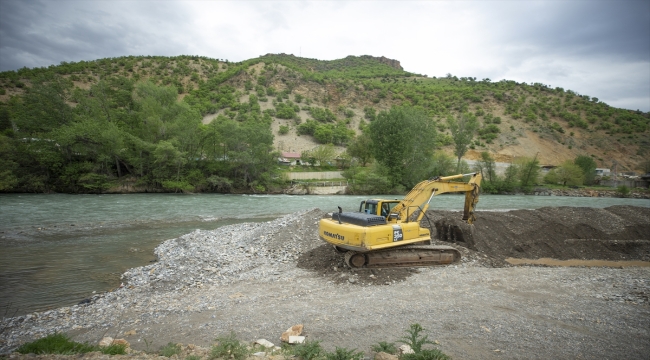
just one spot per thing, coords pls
(230, 253)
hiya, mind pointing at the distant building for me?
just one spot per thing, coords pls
(602, 172)
(289, 158)
(547, 168)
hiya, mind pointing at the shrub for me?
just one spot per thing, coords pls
(61, 344)
(414, 339)
(433, 354)
(308, 350)
(229, 346)
(344, 354)
(386, 347)
(623, 190)
(170, 350)
(284, 129)
(55, 344)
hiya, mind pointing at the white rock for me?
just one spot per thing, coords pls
(405, 349)
(297, 340)
(260, 354)
(265, 343)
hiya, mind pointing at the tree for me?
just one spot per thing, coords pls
(307, 158)
(462, 131)
(510, 179)
(568, 174)
(528, 171)
(588, 166)
(403, 140)
(361, 148)
(442, 164)
(323, 154)
(486, 167)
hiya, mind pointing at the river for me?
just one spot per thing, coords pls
(58, 249)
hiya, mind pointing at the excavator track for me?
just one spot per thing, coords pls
(403, 256)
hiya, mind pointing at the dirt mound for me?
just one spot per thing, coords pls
(613, 233)
(325, 261)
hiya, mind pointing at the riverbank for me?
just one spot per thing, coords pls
(257, 278)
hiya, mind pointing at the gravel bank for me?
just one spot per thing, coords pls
(259, 279)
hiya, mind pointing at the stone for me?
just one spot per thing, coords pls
(260, 354)
(267, 344)
(130, 333)
(295, 330)
(296, 339)
(106, 341)
(405, 349)
(385, 356)
(121, 342)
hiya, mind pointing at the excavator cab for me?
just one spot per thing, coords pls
(378, 207)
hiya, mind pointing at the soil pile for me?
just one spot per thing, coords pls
(613, 233)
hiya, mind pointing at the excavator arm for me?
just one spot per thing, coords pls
(420, 196)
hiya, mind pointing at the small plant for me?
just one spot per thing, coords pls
(193, 357)
(414, 339)
(170, 349)
(344, 354)
(308, 350)
(229, 346)
(386, 347)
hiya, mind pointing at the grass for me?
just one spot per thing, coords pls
(61, 344)
(308, 350)
(170, 350)
(229, 347)
(386, 347)
(344, 354)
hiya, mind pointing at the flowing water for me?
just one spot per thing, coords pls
(57, 249)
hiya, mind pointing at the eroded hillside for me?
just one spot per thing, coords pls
(304, 102)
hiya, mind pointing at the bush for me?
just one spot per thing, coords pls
(414, 339)
(433, 354)
(55, 344)
(284, 129)
(623, 190)
(229, 346)
(344, 354)
(386, 347)
(61, 344)
(170, 350)
(308, 350)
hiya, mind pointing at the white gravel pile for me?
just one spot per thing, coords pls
(249, 251)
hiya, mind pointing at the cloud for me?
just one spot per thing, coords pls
(601, 48)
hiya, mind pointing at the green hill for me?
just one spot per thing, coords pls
(195, 123)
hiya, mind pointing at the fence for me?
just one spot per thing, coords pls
(317, 175)
(320, 183)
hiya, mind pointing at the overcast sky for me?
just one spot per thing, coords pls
(596, 48)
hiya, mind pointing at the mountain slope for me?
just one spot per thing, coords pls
(307, 102)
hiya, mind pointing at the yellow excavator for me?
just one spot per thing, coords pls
(387, 233)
